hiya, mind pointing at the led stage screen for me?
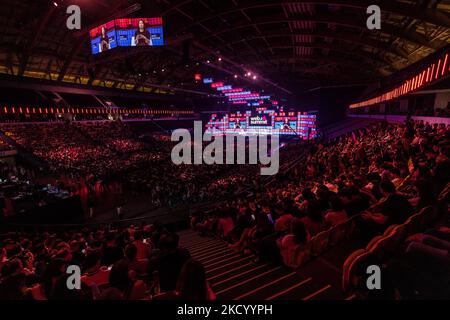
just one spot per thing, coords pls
(286, 123)
(265, 122)
(139, 32)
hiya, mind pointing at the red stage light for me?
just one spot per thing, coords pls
(444, 68)
(427, 75)
(437, 71)
(217, 84)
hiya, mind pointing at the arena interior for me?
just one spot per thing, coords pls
(353, 95)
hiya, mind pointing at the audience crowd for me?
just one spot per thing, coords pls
(142, 262)
(109, 151)
(379, 175)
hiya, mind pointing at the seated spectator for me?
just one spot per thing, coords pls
(422, 271)
(354, 201)
(192, 284)
(394, 210)
(336, 214)
(44, 290)
(143, 248)
(112, 251)
(293, 242)
(13, 287)
(426, 195)
(283, 223)
(396, 177)
(314, 221)
(243, 222)
(431, 249)
(94, 273)
(122, 286)
(225, 225)
(168, 261)
(62, 291)
(138, 266)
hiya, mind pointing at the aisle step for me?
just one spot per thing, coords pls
(233, 275)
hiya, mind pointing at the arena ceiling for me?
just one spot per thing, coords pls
(290, 45)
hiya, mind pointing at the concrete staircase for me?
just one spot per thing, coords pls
(234, 276)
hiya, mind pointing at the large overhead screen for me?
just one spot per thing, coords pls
(139, 32)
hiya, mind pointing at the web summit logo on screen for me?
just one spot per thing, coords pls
(259, 120)
(258, 149)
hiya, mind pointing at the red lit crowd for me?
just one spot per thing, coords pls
(105, 152)
(381, 175)
(142, 262)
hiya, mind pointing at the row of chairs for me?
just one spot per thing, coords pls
(381, 248)
(326, 239)
(323, 241)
